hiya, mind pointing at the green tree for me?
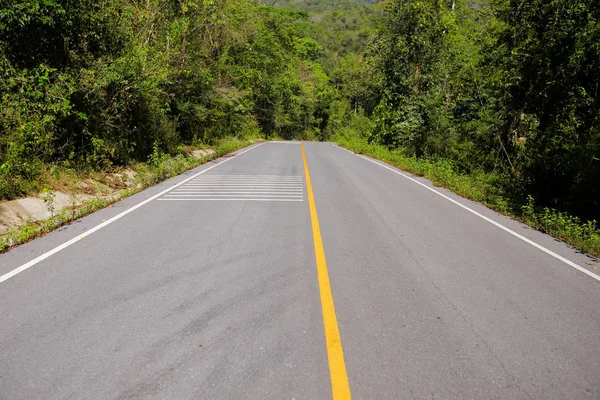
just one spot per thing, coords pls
(554, 104)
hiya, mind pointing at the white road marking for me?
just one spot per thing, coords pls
(233, 175)
(285, 142)
(63, 246)
(253, 180)
(242, 187)
(220, 183)
(232, 199)
(238, 185)
(245, 181)
(255, 177)
(208, 179)
(239, 189)
(261, 181)
(491, 221)
(245, 178)
(235, 195)
(249, 187)
(232, 192)
(273, 177)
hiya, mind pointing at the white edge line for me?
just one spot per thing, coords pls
(491, 221)
(63, 246)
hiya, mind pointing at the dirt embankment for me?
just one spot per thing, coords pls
(34, 209)
(67, 197)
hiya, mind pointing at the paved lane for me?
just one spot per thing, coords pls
(434, 302)
(179, 299)
(210, 291)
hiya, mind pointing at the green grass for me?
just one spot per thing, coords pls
(486, 188)
(159, 168)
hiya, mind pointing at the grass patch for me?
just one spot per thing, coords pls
(159, 168)
(485, 188)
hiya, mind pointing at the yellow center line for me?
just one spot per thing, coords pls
(340, 388)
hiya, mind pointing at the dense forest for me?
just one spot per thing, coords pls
(89, 84)
(496, 88)
(505, 86)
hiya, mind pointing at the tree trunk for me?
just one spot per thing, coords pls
(417, 76)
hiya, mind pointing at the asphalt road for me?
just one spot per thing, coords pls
(217, 289)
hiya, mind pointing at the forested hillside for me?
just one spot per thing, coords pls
(489, 86)
(502, 94)
(89, 84)
(318, 6)
(508, 87)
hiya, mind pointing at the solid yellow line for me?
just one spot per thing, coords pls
(340, 388)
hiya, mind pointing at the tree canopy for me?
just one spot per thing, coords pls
(504, 87)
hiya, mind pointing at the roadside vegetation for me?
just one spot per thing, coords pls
(496, 100)
(106, 192)
(97, 85)
(486, 187)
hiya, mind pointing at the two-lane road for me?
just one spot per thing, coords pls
(249, 278)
